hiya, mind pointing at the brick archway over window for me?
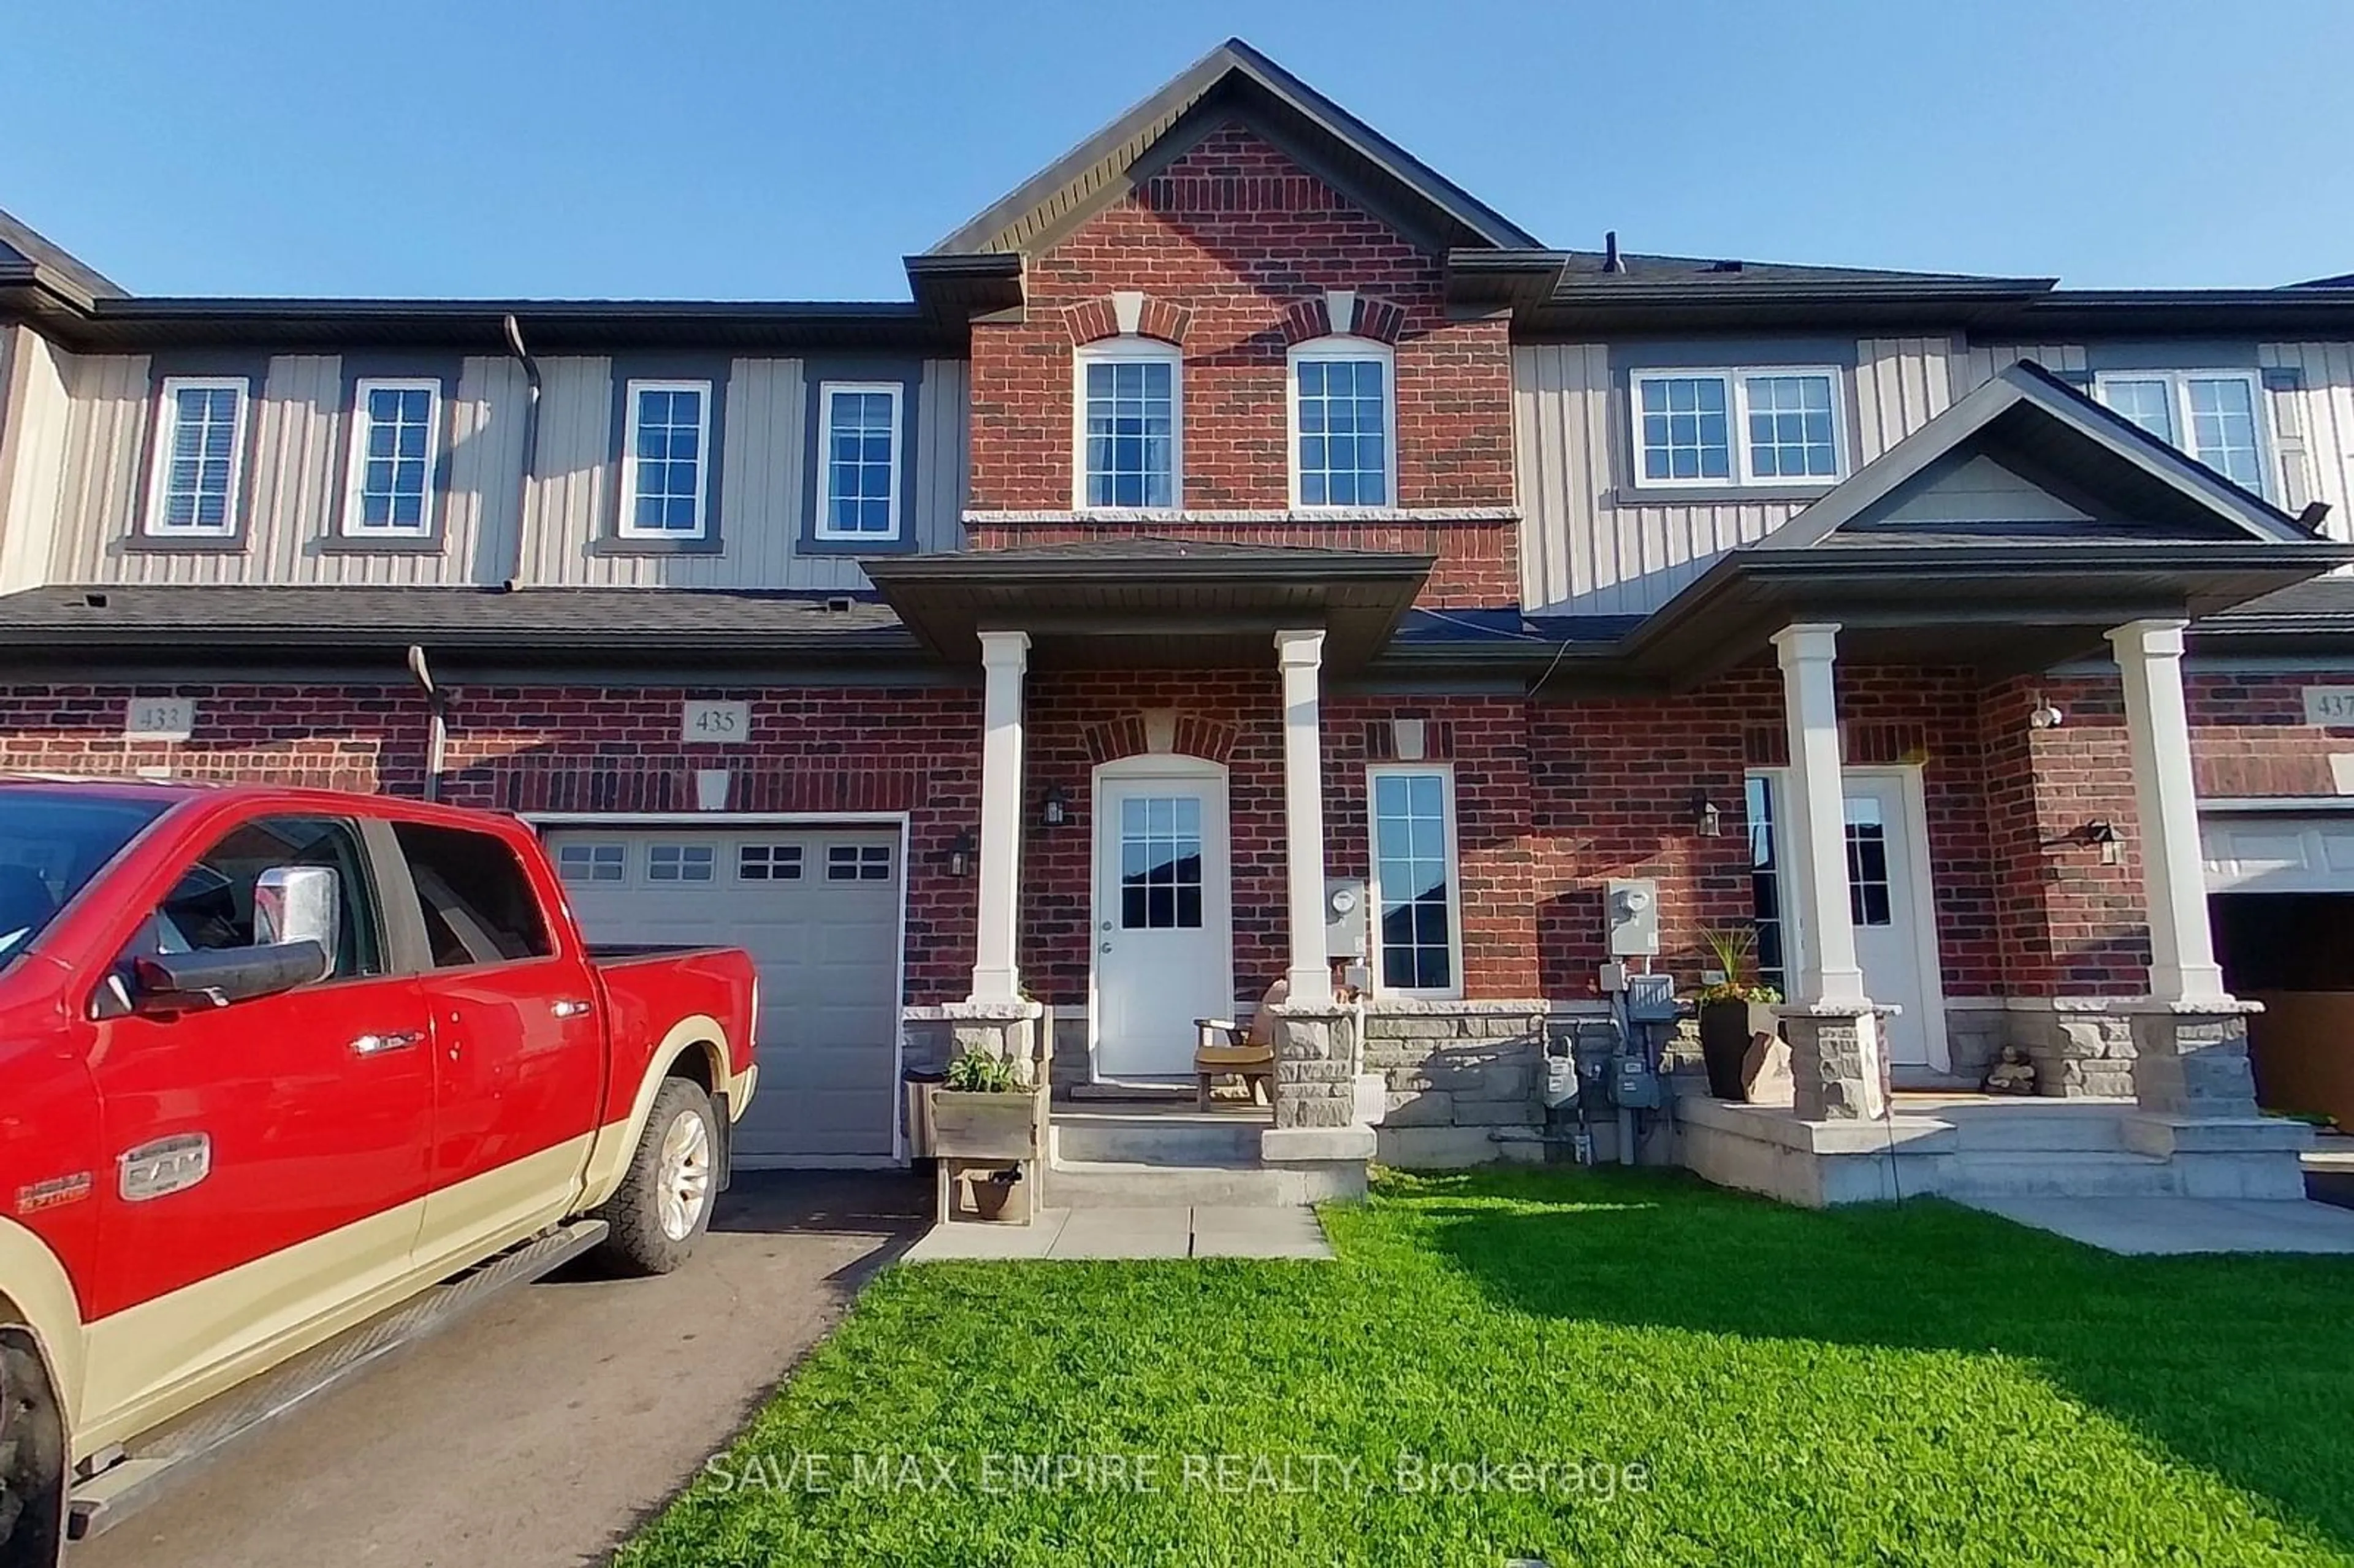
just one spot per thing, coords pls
(1127, 313)
(1306, 320)
(1187, 735)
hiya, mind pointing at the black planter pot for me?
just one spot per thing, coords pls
(1724, 1036)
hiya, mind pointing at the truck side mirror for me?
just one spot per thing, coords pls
(298, 904)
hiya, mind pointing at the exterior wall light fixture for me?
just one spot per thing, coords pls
(1058, 807)
(1707, 819)
(961, 852)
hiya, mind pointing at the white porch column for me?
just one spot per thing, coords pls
(1814, 839)
(2183, 966)
(1300, 655)
(1005, 657)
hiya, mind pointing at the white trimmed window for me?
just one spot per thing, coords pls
(1342, 423)
(1417, 937)
(2214, 415)
(199, 460)
(395, 439)
(665, 460)
(1131, 412)
(1759, 426)
(858, 454)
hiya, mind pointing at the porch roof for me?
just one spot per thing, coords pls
(1149, 603)
(2010, 534)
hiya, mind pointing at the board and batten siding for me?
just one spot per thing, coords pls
(762, 493)
(292, 490)
(1591, 546)
(2318, 424)
(77, 491)
(36, 420)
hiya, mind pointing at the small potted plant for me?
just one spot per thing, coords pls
(1732, 1009)
(983, 1110)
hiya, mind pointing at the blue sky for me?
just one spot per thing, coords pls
(795, 151)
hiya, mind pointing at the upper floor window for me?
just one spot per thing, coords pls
(665, 460)
(1341, 454)
(1737, 427)
(199, 457)
(2210, 414)
(1130, 419)
(395, 440)
(858, 444)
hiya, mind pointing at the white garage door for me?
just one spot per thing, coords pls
(2278, 852)
(818, 909)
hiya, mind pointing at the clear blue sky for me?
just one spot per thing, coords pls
(788, 150)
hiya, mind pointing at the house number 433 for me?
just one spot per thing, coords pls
(715, 723)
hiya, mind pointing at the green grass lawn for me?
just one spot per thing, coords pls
(1711, 1379)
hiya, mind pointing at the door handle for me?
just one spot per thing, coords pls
(570, 1007)
(377, 1045)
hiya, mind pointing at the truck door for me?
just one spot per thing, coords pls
(519, 1051)
(266, 1160)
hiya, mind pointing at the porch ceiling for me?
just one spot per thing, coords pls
(1153, 604)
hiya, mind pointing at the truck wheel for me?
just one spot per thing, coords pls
(32, 1458)
(663, 1202)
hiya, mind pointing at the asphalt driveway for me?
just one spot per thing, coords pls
(542, 1430)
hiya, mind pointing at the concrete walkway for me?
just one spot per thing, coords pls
(2152, 1225)
(1202, 1231)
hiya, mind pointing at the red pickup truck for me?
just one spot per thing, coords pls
(274, 1062)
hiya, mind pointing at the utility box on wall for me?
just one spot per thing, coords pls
(1630, 916)
(1345, 917)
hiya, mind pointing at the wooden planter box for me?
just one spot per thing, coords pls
(987, 1127)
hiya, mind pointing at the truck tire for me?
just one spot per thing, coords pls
(664, 1203)
(32, 1457)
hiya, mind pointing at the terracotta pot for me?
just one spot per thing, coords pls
(991, 1192)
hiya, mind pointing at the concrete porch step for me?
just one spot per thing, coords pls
(1208, 1137)
(2063, 1129)
(2029, 1173)
(1107, 1183)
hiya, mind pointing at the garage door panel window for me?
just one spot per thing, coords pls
(768, 863)
(478, 906)
(593, 862)
(681, 863)
(858, 862)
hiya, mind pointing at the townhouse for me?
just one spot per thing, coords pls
(1240, 515)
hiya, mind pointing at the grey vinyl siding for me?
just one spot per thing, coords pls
(78, 476)
(35, 417)
(1901, 384)
(2315, 423)
(1979, 363)
(99, 482)
(762, 489)
(1590, 545)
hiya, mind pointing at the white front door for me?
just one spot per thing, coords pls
(1162, 949)
(1885, 860)
(1881, 863)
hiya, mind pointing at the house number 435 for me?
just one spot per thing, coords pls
(715, 723)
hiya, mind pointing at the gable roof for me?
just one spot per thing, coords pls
(1235, 82)
(29, 256)
(2104, 476)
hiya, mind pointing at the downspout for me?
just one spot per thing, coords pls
(437, 722)
(513, 575)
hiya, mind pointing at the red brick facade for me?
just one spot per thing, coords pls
(1552, 799)
(1230, 245)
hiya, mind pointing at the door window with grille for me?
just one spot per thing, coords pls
(1160, 863)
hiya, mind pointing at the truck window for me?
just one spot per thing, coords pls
(51, 846)
(478, 905)
(211, 906)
